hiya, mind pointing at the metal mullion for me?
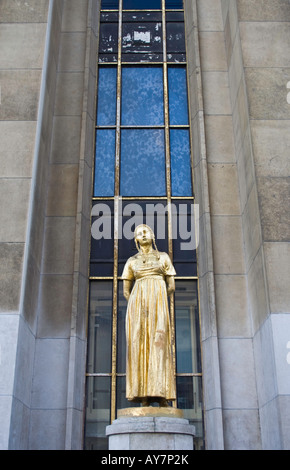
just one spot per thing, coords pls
(168, 178)
(116, 219)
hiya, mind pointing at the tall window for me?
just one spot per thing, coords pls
(142, 172)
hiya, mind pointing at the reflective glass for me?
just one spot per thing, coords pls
(142, 162)
(178, 105)
(142, 96)
(187, 328)
(108, 38)
(97, 412)
(180, 163)
(105, 163)
(110, 4)
(190, 400)
(122, 401)
(174, 4)
(141, 4)
(121, 343)
(100, 327)
(102, 249)
(107, 93)
(143, 39)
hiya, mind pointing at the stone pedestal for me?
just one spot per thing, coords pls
(150, 428)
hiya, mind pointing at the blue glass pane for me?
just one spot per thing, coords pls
(142, 96)
(105, 163)
(174, 4)
(142, 162)
(180, 163)
(107, 93)
(141, 4)
(178, 106)
(110, 4)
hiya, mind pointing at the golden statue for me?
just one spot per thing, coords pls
(148, 280)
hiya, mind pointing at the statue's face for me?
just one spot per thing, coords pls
(143, 236)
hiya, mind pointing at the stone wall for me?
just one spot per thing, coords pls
(265, 41)
(48, 390)
(23, 27)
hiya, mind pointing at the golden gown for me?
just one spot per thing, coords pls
(149, 368)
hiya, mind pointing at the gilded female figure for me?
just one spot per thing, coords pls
(148, 280)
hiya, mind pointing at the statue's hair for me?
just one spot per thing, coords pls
(152, 236)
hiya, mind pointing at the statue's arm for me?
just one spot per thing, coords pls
(170, 282)
(127, 287)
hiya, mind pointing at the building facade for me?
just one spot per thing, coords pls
(237, 69)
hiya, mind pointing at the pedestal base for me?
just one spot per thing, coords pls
(150, 428)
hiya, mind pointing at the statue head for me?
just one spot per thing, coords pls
(144, 235)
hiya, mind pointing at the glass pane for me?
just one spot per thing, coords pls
(189, 399)
(142, 162)
(174, 4)
(141, 16)
(102, 245)
(122, 401)
(180, 163)
(105, 163)
(107, 95)
(121, 344)
(142, 96)
(100, 327)
(97, 412)
(185, 231)
(178, 104)
(175, 37)
(110, 4)
(145, 38)
(141, 4)
(187, 327)
(108, 38)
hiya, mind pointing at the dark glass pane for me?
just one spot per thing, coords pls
(185, 269)
(180, 163)
(141, 4)
(175, 16)
(142, 16)
(97, 412)
(140, 57)
(121, 335)
(108, 38)
(107, 95)
(122, 401)
(175, 37)
(142, 96)
(105, 163)
(109, 17)
(184, 238)
(174, 4)
(100, 327)
(110, 4)
(142, 162)
(176, 58)
(102, 246)
(187, 327)
(141, 38)
(178, 102)
(190, 400)
(108, 58)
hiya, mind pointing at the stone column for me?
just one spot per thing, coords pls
(150, 429)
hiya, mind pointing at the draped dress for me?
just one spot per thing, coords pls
(149, 365)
